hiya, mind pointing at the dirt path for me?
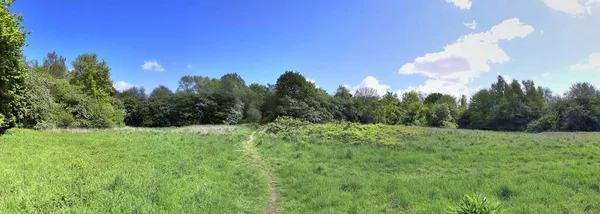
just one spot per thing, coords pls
(257, 160)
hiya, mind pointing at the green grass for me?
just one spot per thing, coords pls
(331, 168)
(432, 169)
(128, 171)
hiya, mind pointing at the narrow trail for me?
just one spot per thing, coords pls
(250, 149)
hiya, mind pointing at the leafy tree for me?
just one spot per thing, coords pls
(413, 109)
(55, 65)
(92, 76)
(438, 115)
(135, 104)
(344, 108)
(389, 108)
(40, 110)
(432, 98)
(161, 107)
(366, 100)
(582, 112)
(12, 71)
(295, 97)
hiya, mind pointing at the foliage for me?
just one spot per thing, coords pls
(40, 109)
(12, 71)
(285, 125)
(504, 107)
(92, 76)
(476, 205)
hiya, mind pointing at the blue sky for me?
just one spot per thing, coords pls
(449, 46)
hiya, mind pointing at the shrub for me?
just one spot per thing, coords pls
(285, 125)
(476, 205)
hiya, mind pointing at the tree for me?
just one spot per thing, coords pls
(296, 97)
(161, 107)
(438, 115)
(366, 100)
(582, 112)
(344, 108)
(55, 65)
(389, 109)
(413, 109)
(92, 76)
(12, 70)
(135, 104)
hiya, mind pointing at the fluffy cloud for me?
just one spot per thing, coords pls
(122, 85)
(462, 61)
(545, 74)
(571, 7)
(189, 66)
(471, 25)
(592, 64)
(470, 55)
(370, 82)
(462, 4)
(152, 65)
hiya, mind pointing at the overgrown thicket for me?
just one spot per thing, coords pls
(46, 95)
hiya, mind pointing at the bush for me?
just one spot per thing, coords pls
(476, 205)
(545, 123)
(285, 125)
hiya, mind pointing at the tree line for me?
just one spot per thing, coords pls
(48, 94)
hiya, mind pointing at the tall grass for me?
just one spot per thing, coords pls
(128, 171)
(429, 170)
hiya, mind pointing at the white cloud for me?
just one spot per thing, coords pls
(571, 7)
(593, 64)
(589, 2)
(470, 55)
(189, 66)
(462, 4)
(545, 74)
(471, 25)
(370, 82)
(464, 60)
(122, 85)
(153, 65)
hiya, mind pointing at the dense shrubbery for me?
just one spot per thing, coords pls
(352, 133)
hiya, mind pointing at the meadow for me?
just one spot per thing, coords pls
(315, 168)
(129, 171)
(349, 168)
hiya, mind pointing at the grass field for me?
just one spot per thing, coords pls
(316, 169)
(428, 170)
(128, 171)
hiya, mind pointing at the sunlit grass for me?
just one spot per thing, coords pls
(434, 170)
(128, 171)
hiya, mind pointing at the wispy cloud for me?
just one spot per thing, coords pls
(471, 25)
(571, 7)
